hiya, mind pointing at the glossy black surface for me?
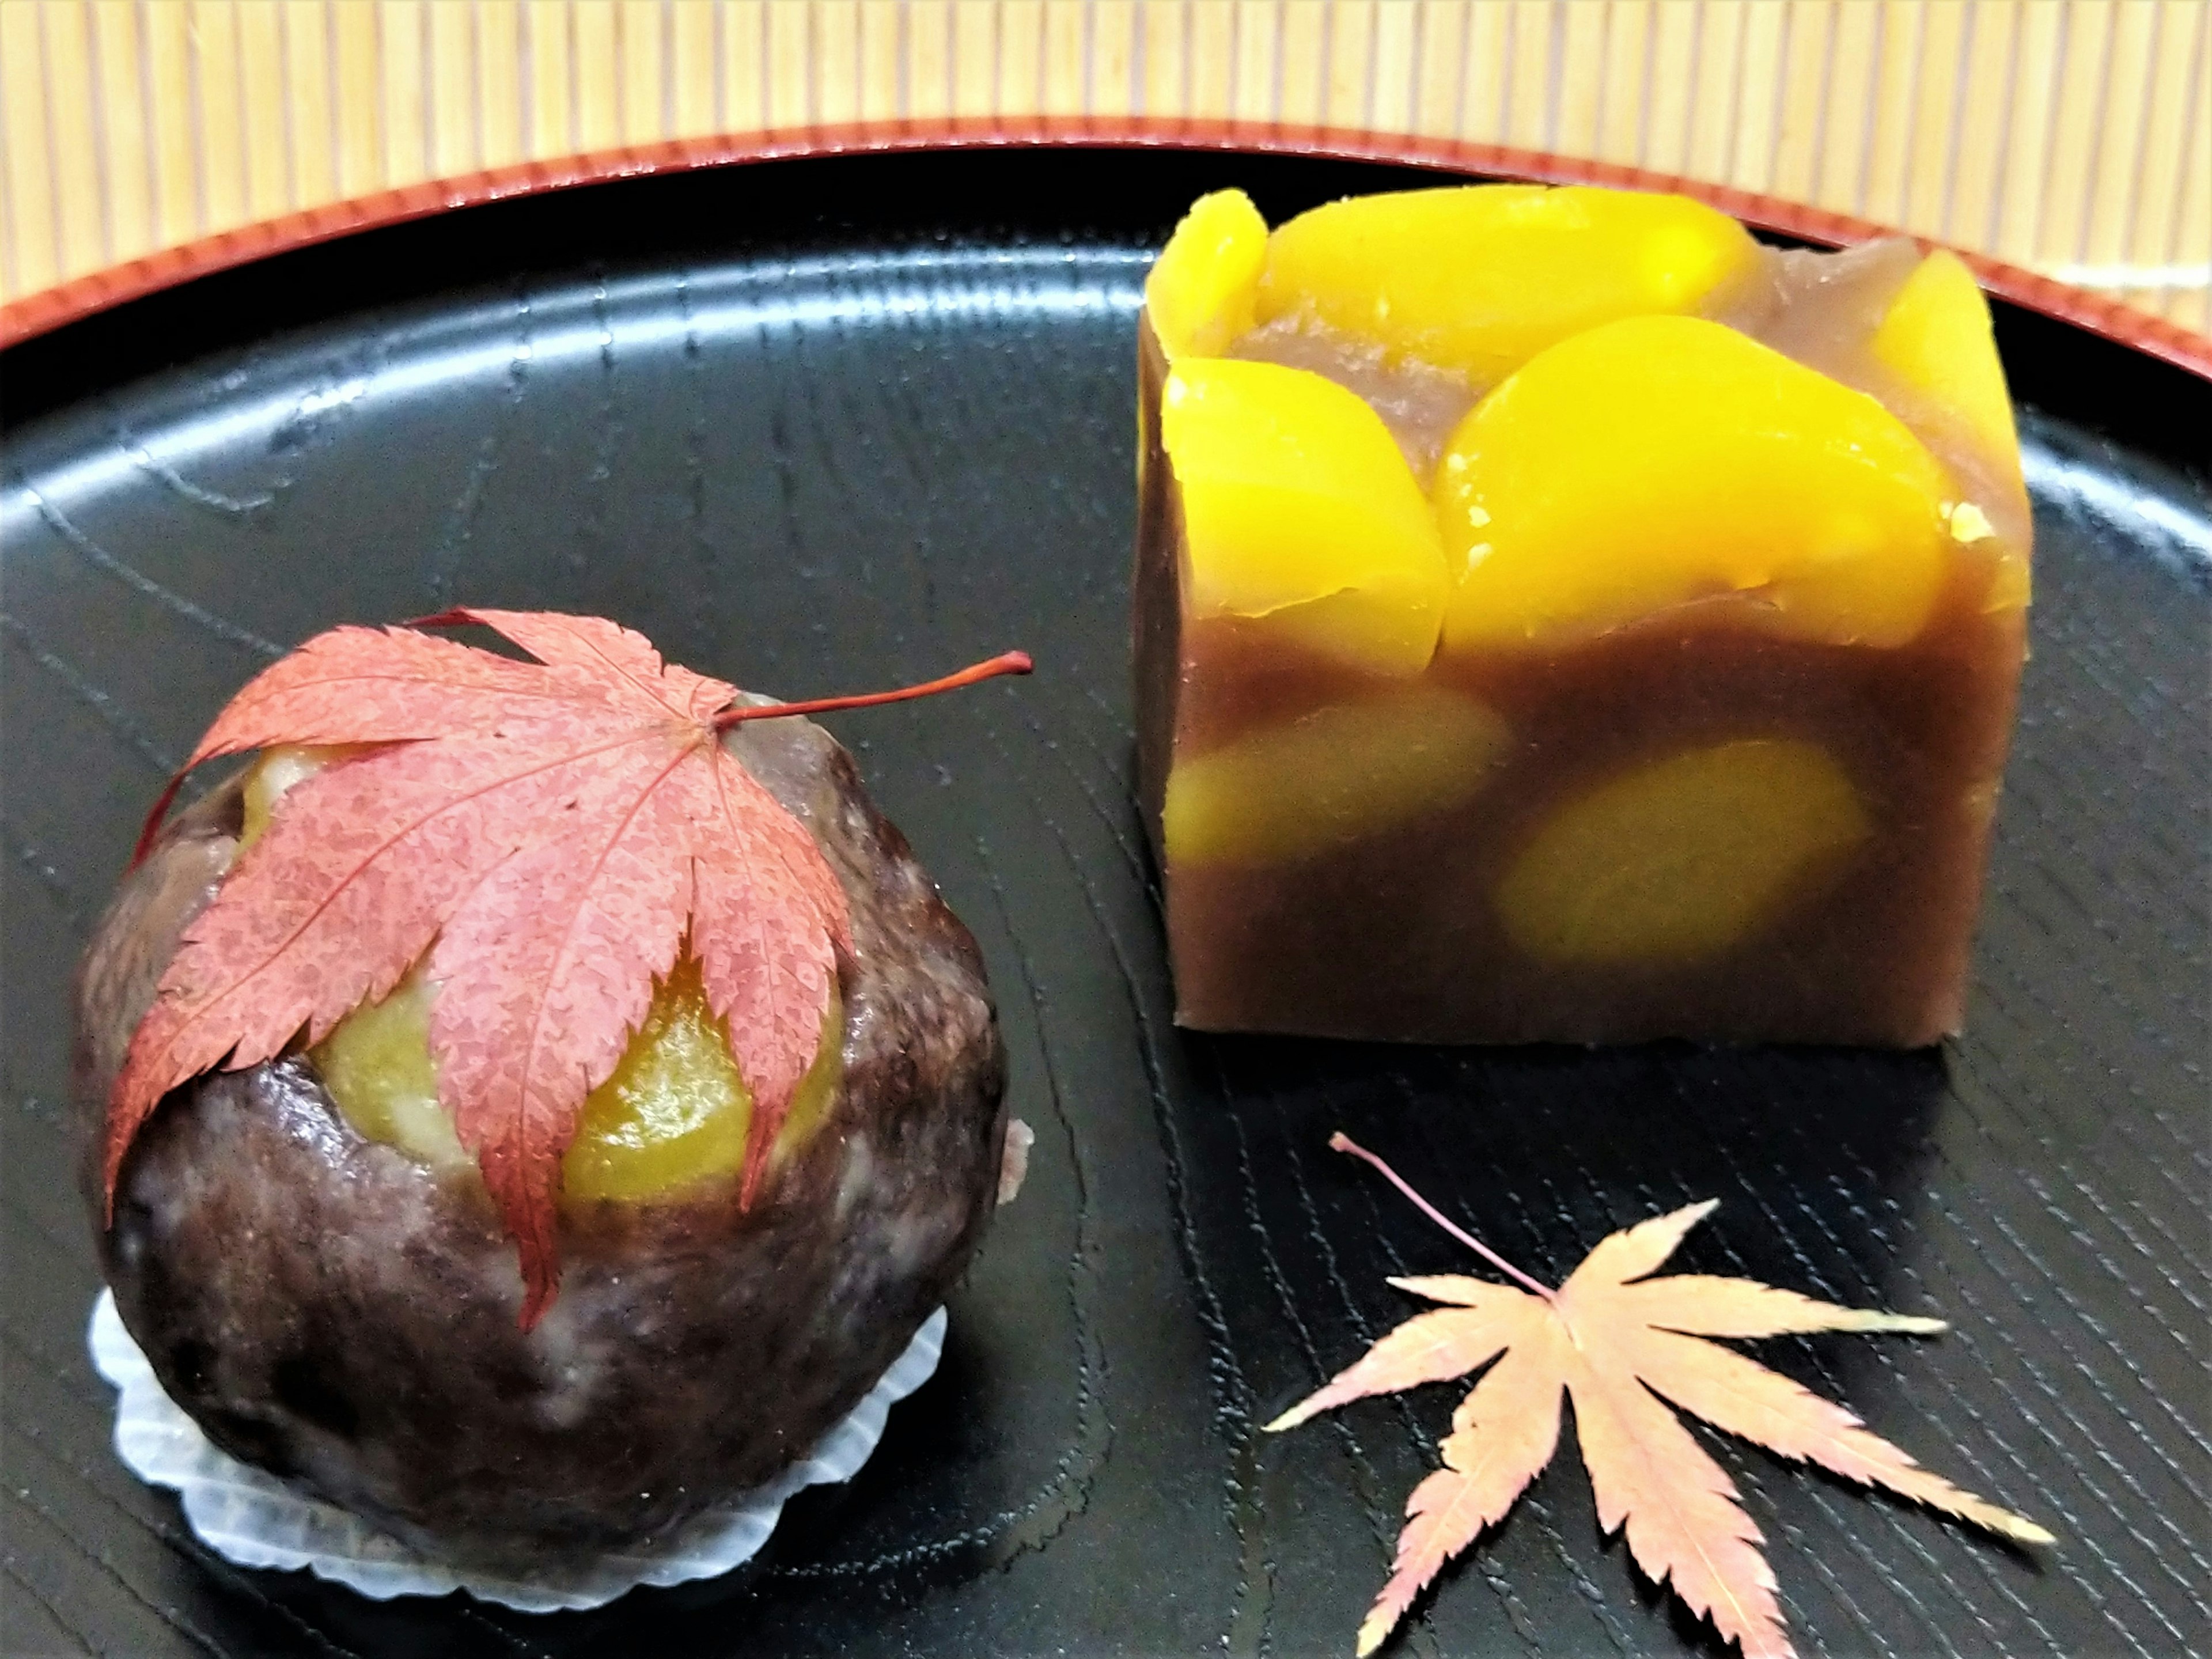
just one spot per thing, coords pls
(831, 425)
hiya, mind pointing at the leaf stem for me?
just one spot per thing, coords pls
(1007, 662)
(1341, 1142)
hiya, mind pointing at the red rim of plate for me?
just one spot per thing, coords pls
(80, 296)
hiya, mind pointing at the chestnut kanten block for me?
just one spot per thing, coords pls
(1559, 617)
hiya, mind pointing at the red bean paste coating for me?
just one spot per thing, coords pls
(330, 1310)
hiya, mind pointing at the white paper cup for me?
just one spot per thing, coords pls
(255, 1520)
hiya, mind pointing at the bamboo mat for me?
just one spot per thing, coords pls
(2073, 137)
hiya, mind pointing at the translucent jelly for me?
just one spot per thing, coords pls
(1559, 617)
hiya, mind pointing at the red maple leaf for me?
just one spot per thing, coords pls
(551, 833)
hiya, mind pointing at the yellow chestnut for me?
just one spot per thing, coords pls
(1660, 461)
(1200, 290)
(1680, 858)
(376, 1065)
(1936, 341)
(1299, 508)
(1482, 277)
(1935, 337)
(1330, 778)
(674, 1113)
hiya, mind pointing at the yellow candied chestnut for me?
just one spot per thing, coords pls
(1335, 776)
(1935, 337)
(375, 1065)
(1482, 277)
(1660, 461)
(674, 1113)
(1298, 507)
(1199, 295)
(1681, 858)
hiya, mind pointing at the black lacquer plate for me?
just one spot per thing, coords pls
(836, 424)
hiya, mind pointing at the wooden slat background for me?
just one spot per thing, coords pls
(2070, 136)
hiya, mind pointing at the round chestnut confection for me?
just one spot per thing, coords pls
(343, 1312)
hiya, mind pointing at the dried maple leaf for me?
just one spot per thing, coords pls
(1617, 1343)
(552, 833)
